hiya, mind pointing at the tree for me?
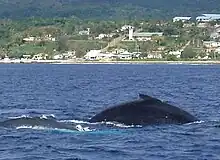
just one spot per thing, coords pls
(62, 44)
(188, 53)
(171, 57)
(168, 31)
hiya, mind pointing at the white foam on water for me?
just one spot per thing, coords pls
(22, 116)
(196, 122)
(121, 125)
(32, 127)
(45, 116)
(78, 128)
(116, 124)
(76, 121)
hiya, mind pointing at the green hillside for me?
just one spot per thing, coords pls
(106, 9)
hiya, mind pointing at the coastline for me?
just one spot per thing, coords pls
(73, 61)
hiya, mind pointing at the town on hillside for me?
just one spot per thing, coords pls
(182, 38)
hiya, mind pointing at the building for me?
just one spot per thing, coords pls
(27, 56)
(125, 55)
(211, 44)
(183, 19)
(130, 34)
(65, 55)
(40, 56)
(217, 50)
(214, 35)
(175, 53)
(208, 17)
(38, 39)
(203, 25)
(101, 36)
(118, 50)
(85, 32)
(126, 27)
(142, 36)
(29, 39)
(58, 57)
(154, 56)
(92, 54)
(98, 55)
(106, 56)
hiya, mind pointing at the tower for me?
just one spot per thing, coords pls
(88, 31)
(130, 34)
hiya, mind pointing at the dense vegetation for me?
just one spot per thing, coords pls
(63, 19)
(66, 32)
(106, 9)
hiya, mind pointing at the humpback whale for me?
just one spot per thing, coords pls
(146, 110)
(39, 122)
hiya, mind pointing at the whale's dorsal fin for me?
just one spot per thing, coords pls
(146, 97)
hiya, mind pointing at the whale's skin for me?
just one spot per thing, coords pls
(145, 111)
(35, 121)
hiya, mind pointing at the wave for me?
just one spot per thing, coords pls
(80, 128)
(196, 122)
(76, 121)
(49, 122)
(43, 116)
(17, 117)
(116, 124)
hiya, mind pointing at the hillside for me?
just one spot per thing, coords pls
(106, 9)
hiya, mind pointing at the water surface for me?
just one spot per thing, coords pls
(77, 92)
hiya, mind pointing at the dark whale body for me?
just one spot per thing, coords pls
(145, 111)
(35, 122)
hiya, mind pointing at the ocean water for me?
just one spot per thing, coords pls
(74, 93)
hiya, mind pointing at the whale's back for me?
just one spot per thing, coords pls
(145, 111)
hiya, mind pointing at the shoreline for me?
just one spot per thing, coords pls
(103, 62)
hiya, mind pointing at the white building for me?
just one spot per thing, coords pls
(40, 56)
(101, 36)
(38, 39)
(214, 35)
(26, 56)
(183, 19)
(204, 58)
(175, 53)
(217, 50)
(58, 56)
(143, 36)
(154, 56)
(208, 17)
(126, 27)
(92, 54)
(85, 32)
(118, 50)
(130, 34)
(29, 39)
(106, 56)
(211, 44)
(125, 55)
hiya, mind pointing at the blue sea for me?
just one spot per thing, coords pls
(75, 93)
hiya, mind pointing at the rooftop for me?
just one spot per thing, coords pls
(208, 17)
(147, 34)
(185, 18)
